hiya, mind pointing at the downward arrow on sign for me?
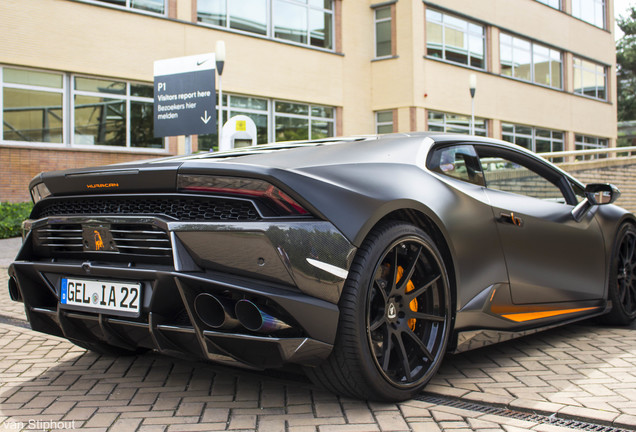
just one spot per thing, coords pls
(205, 119)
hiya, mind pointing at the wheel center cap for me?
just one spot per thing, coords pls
(391, 311)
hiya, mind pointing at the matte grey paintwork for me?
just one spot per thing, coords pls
(355, 184)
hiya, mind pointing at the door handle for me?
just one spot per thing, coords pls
(510, 219)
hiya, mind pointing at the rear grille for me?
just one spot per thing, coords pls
(140, 240)
(178, 208)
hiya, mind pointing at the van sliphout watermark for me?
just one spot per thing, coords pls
(37, 425)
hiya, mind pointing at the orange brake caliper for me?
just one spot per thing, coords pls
(409, 287)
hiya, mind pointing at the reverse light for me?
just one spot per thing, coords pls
(39, 192)
(275, 198)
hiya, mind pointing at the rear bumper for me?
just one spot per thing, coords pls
(293, 270)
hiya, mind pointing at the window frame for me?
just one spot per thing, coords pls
(64, 107)
(128, 7)
(533, 136)
(467, 35)
(379, 123)
(127, 98)
(532, 64)
(68, 93)
(270, 113)
(582, 3)
(377, 21)
(474, 172)
(580, 144)
(546, 2)
(445, 123)
(581, 69)
(270, 7)
(532, 163)
(309, 117)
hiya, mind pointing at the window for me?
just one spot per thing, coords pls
(535, 139)
(305, 22)
(456, 123)
(590, 79)
(113, 113)
(295, 121)
(156, 6)
(591, 11)
(459, 162)
(39, 106)
(552, 3)
(454, 39)
(383, 32)
(583, 142)
(276, 120)
(513, 174)
(384, 122)
(32, 106)
(529, 61)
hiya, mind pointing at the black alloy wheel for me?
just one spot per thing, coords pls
(622, 283)
(395, 317)
(406, 312)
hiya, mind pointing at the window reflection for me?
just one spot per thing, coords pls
(156, 6)
(99, 121)
(535, 139)
(142, 126)
(290, 21)
(528, 61)
(456, 123)
(291, 129)
(30, 115)
(589, 79)
(383, 31)
(248, 15)
(455, 39)
(298, 21)
(212, 12)
(591, 11)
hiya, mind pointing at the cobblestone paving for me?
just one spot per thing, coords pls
(49, 383)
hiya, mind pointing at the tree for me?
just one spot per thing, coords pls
(626, 67)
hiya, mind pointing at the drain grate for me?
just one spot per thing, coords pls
(518, 415)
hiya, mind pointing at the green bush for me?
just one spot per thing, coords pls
(11, 217)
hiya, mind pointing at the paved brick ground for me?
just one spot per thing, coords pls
(578, 371)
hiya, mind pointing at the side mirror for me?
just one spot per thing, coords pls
(600, 193)
(595, 194)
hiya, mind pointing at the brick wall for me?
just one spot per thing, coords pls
(620, 172)
(18, 165)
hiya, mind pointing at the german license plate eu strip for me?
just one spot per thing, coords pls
(101, 296)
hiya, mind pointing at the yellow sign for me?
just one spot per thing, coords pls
(241, 126)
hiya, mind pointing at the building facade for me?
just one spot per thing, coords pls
(76, 75)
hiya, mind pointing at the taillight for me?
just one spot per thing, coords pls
(275, 198)
(39, 192)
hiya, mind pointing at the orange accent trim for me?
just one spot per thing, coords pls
(493, 294)
(102, 185)
(522, 317)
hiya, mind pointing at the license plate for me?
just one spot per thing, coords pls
(118, 298)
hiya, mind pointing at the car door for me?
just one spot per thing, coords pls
(549, 256)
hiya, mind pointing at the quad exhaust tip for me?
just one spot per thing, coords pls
(14, 291)
(255, 319)
(215, 312)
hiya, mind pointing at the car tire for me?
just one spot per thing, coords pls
(622, 278)
(393, 330)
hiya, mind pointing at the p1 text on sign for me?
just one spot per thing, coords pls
(185, 97)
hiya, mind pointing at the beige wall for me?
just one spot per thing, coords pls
(411, 80)
(77, 37)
